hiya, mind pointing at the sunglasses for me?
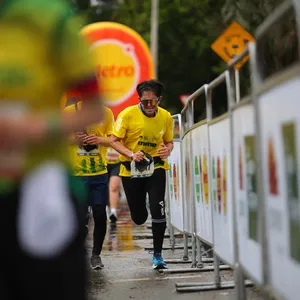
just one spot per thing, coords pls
(149, 102)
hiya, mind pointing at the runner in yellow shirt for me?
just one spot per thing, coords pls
(88, 158)
(143, 135)
(41, 56)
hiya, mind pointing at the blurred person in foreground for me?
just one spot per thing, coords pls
(143, 135)
(41, 56)
(87, 153)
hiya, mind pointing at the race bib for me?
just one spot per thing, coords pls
(12, 161)
(136, 173)
(85, 151)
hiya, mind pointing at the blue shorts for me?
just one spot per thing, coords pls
(97, 189)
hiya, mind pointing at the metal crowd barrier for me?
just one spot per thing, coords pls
(234, 180)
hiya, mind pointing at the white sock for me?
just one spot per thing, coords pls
(113, 211)
(107, 210)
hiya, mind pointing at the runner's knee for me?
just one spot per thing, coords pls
(139, 220)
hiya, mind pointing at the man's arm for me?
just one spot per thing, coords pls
(39, 127)
(115, 143)
(170, 146)
(93, 139)
(165, 150)
(167, 147)
(77, 138)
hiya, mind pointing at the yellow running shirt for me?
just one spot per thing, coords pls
(93, 162)
(41, 56)
(139, 132)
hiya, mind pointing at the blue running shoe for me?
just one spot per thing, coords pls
(158, 262)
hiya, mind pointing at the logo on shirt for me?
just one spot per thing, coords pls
(147, 144)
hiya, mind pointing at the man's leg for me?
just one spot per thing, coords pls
(135, 191)
(156, 188)
(85, 205)
(114, 191)
(99, 200)
(99, 215)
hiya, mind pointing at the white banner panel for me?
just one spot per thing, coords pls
(245, 176)
(187, 183)
(222, 189)
(202, 188)
(280, 145)
(175, 187)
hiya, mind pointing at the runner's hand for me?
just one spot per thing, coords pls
(138, 156)
(163, 151)
(80, 137)
(92, 139)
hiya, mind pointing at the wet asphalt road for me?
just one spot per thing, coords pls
(128, 272)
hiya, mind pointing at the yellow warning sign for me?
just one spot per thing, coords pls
(232, 42)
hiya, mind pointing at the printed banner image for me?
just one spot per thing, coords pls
(245, 176)
(175, 187)
(201, 175)
(220, 146)
(280, 160)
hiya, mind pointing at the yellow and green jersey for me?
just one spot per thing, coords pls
(93, 162)
(139, 132)
(41, 56)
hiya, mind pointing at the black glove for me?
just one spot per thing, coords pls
(88, 148)
(142, 165)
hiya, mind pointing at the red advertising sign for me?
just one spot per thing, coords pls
(122, 60)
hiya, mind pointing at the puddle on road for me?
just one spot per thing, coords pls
(120, 238)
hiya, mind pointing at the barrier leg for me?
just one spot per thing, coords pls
(217, 271)
(194, 252)
(186, 247)
(172, 236)
(239, 283)
(180, 261)
(168, 210)
(216, 268)
(199, 254)
(214, 285)
(200, 259)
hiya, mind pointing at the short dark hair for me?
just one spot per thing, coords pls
(150, 85)
(72, 100)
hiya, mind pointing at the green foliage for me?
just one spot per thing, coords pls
(187, 28)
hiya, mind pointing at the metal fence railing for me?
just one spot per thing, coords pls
(234, 180)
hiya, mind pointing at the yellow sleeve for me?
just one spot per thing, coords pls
(75, 60)
(110, 122)
(121, 125)
(168, 136)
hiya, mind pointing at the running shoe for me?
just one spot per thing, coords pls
(96, 262)
(113, 218)
(158, 262)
